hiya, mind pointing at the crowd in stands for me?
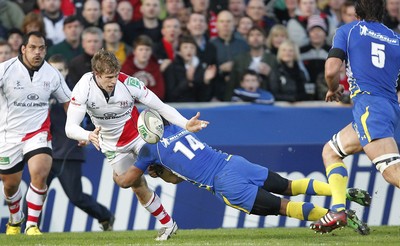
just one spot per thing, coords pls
(194, 50)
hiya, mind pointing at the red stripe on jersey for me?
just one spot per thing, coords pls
(122, 77)
(130, 131)
(44, 128)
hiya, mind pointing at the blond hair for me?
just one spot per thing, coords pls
(105, 62)
(293, 45)
(276, 30)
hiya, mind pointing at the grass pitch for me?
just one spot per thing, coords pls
(380, 236)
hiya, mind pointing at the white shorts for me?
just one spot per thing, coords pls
(125, 156)
(13, 153)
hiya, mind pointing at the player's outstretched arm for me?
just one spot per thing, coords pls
(159, 171)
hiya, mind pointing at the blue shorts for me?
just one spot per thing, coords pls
(238, 182)
(374, 118)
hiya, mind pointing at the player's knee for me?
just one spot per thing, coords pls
(334, 148)
(384, 161)
(276, 183)
(266, 204)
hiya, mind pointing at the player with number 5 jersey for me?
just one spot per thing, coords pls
(371, 52)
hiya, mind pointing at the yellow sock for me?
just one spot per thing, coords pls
(305, 211)
(310, 187)
(337, 178)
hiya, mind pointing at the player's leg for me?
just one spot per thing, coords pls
(147, 198)
(342, 144)
(39, 163)
(11, 168)
(384, 154)
(152, 203)
(70, 176)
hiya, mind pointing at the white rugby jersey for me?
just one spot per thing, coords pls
(24, 101)
(116, 114)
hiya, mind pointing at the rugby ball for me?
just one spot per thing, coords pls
(150, 126)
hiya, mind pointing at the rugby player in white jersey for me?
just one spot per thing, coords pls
(109, 96)
(26, 84)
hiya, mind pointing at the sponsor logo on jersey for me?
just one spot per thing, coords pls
(4, 160)
(167, 141)
(33, 96)
(18, 85)
(110, 155)
(364, 31)
(123, 104)
(110, 115)
(134, 82)
(46, 85)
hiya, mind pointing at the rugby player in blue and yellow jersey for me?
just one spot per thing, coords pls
(371, 52)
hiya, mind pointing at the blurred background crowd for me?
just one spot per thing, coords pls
(193, 50)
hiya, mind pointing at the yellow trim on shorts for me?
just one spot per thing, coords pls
(364, 118)
(234, 206)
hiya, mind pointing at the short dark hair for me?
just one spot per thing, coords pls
(57, 58)
(36, 34)
(370, 10)
(142, 40)
(186, 39)
(257, 28)
(70, 19)
(250, 72)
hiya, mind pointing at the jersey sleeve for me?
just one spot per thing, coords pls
(62, 92)
(145, 159)
(340, 39)
(140, 92)
(76, 112)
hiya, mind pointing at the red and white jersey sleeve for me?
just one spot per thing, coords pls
(24, 101)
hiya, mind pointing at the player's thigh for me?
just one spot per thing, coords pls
(380, 147)
(349, 140)
(121, 161)
(37, 153)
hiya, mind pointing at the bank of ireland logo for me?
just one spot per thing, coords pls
(4, 160)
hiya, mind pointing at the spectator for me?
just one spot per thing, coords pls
(284, 15)
(5, 51)
(136, 4)
(275, 38)
(264, 63)
(333, 10)
(315, 53)
(292, 79)
(11, 14)
(238, 10)
(109, 11)
(92, 38)
(68, 158)
(250, 91)
(186, 78)
(297, 26)
(173, 7)
(348, 12)
(392, 12)
(71, 46)
(245, 24)
(256, 10)
(144, 66)
(91, 14)
(34, 22)
(166, 49)
(227, 48)
(183, 17)
(27, 5)
(112, 41)
(53, 20)
(15, 40)
(197, 28)
(202, 7)
(149, 25)
(125, 11)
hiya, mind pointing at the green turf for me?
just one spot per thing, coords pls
(380, 236)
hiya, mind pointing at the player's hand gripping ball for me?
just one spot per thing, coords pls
(150, 126)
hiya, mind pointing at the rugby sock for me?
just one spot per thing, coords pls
(310, 187)
(305, 211)
(34, 199)
(155, 207)
(337, 178)
(13, 203)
